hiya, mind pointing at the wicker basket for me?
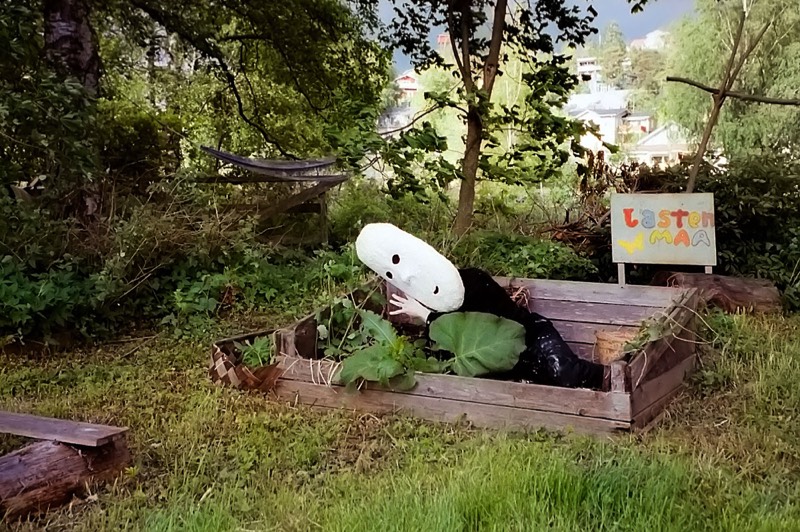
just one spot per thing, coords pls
(609, 344)
(225, 370)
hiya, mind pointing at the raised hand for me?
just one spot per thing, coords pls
(410, 307)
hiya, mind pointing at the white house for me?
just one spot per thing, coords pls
(608, 123)
(663, 146)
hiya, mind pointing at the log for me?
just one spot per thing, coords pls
(731, 294)
(47, 474)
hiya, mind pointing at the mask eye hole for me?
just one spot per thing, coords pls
(395, 259)
(389, 275)
(436, 290)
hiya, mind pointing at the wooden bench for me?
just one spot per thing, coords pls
(48, 473)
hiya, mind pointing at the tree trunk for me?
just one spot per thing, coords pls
(731, 294)
(472, 153)
(47, 474)
(719, 99)
(70, 41)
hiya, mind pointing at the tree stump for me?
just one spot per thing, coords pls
(47, 474)
(731, 294)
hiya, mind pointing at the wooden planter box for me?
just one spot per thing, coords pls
(641, 385)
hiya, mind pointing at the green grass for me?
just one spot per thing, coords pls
(727, 456)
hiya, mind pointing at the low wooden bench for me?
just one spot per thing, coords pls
(48, 473)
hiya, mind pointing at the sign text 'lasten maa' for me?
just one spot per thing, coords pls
(663, 229)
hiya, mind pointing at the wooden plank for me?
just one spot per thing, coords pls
(647, 417)
(681, 315)
(439, 409)
(299, 198)
(584, 332)
(605, 313)
(651, 392)
(651, 296)
(573, 401)
(618, 377)
(61, 430)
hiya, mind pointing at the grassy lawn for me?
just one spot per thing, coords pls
(726, 457)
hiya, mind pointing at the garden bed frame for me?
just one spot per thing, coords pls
(641, 384)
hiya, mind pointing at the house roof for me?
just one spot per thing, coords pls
(610, 112)
(671, 129)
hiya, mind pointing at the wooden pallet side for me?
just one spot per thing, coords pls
(440, 409)
(583, 312)
(650, 398)
(680, 318)
(571, 401)
(586, 292)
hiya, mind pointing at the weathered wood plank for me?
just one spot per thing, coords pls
(47, 474)
(603, 313)
(652, 391)
(645, 419)
(61, 430)
(618, 377)
(299, 198)
(579, 332)
(652, 296)
(439, 409)
(573, 401)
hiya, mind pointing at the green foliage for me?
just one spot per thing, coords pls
(137, 145)
(47, 123)
(45, 301)
(257, 353)
(613, 52)
(541, 140)
(756, 218)
(383, 356)
(362, 201)
(522, 256)
(701, 51)
(481, 343)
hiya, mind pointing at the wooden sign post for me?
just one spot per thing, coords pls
(663, 229)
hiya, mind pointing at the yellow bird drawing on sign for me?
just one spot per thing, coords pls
(630, 247)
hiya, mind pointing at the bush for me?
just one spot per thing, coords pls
(522, 256)
(757, 218)
(134, 146)
(362, 201)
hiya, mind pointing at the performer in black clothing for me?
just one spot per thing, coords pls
(435, 287)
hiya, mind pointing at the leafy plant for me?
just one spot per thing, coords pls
(258, 353)
(481, 343)
(388, 358)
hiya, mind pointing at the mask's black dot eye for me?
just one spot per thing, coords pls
(436, 290)
(389, 275)
(395, 259)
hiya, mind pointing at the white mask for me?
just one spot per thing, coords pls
(411, 265)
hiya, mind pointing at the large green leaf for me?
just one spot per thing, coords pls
(482, 343)
(372, 363)
(380, 329)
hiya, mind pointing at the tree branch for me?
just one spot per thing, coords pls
(493, 58)
(746, 54)
(451, 28)
(734, 94)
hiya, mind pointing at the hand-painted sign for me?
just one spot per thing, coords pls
(663, 229)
